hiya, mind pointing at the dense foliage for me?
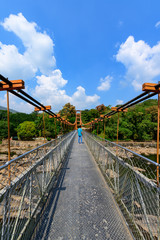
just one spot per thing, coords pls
(28, 126)
(139, 123)
(26, 130)
(18, 126)
(15, 120)
(68, 112)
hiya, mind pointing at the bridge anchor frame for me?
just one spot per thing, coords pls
(152, 87)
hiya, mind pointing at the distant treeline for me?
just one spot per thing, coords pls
(28, 126)
(138, 124)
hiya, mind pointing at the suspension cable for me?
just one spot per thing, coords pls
(27, 98)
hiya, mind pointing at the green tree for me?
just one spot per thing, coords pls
(68, 112)
(89, 115)
(26, 130)
(4, 129)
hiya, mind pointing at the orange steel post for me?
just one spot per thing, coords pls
(119, 110)
(151, 87)
(104, 126)
(97, 127)
(158, 139)
(117, 127)
(117, 133)
(42, 109)
(55, 123)
(44, 127)
(9, 148)
(65, 127)
(15, 85)
(61, 127)
(76, 122)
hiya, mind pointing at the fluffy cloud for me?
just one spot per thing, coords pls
(38, 55)
(50, 91)
(13, 64)
(141, 61)
(105, 83)
(82, 101)
(16, 104)
(51, 82)
(38, 58)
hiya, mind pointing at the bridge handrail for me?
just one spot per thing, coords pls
(28, 152)
(24, 154)
(130, 165)
(12, 169)
(19, 178)
(21, 200)
(138, 155)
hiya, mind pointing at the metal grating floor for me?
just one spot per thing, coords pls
(82, 206)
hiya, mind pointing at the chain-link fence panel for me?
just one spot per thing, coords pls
(30, 178)
(133, 181)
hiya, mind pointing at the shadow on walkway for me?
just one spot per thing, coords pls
(44, 225)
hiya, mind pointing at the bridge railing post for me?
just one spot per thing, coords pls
(30, 196)
(158, 115)
(6, 216)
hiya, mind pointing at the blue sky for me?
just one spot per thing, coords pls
(84, 52)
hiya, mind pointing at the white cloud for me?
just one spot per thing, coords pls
(37, 58)
(49, 91)
(82, 101)
(157, 25)
(13, 64)
(119, 102)
(53, 81)
(38, 53)
(141, 61)
(15, 103)
(105, 83)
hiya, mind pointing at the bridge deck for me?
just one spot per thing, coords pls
(82, 206)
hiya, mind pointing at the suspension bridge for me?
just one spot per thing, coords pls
(65, 190)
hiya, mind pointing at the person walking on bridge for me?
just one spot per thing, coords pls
(79, 130)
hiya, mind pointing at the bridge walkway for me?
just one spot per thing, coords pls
(82, 206)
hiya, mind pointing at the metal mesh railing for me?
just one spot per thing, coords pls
(31, 175)
(132, 180)
(24, 161)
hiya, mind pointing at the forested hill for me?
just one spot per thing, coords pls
(138, 124)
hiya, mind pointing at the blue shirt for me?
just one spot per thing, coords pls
(79, 132)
